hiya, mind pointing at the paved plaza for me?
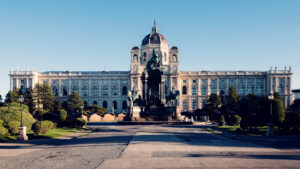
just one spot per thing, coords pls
(147, 146)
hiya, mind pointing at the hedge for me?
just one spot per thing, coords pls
(42, 127)
(13, 126)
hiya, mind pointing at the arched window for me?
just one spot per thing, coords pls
(194, 104)
(184, 90)
(212, 88)
(203, 104)
(124, 91)
(65, 90)
(280, 88)
(259, 90)
(203, 90)
(104, 104)
(115, 105)
(135, 58)
(194, 90)
(174, 58)
(222, 88)
(184, 104)
(55, 90)
(250, 89)
(124, 104)
(95, 102)
(144, 58)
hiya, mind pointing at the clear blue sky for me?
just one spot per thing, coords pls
(94, 34)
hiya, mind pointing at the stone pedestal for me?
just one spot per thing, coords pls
(22, 133)
(136, 112)
(177, 113)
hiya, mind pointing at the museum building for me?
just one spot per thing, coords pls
(109, 88)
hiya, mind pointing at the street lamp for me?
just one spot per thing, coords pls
(22, 128)
(270, 131)
(81, 110)
(21, 100)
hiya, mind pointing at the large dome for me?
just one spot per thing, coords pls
(154, 38)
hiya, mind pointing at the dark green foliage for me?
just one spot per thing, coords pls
(12, 96)
(232, 99)
(57, 106)
(292, 120)
(222, 121)
(3, 130)
(42, 127)
(278, 111)
(40, 114)
(214, 101)
(74, 103)
(80, 122)
(234, 120)
(44, 96)
(277, 96)
(13, 113)
(296, 104)
(13, 126)
(223, 98)
(29, 100)
(97, 109)
(63, 114)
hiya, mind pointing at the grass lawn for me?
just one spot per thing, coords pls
(52, 133)
(259, 131)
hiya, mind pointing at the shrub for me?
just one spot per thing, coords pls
(42, 127)
(278, 111)
(234, 120)
(3, 130)
(62, 114)
(80, 122)
(11, 112)
(1, 122)
(222, 121)
(40, 114)
(13, 126)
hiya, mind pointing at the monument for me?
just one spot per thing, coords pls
(153, 103)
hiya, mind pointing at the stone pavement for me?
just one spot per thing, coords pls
(162, 147)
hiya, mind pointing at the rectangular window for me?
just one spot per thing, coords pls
(184, 81)
(194, 81)
(203, 90)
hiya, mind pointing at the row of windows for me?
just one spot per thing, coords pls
(114, 104)
(85, 90)
(241, 89)
(231, 80)
(143, 58)
(194, 104)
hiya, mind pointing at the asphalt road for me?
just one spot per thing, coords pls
(148, 146)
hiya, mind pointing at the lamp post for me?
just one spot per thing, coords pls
(21, 100)
(270, 131)
(22, 128)
(81, 110)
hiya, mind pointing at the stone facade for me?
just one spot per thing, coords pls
(109, 88)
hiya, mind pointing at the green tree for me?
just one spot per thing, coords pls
(12, 96)
(44, 96)
(74, 103)
(278, 111)
(29, 100)
(232, 99)
(277, 96)
(214, 102)
(296, 104)
(47, 97)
